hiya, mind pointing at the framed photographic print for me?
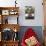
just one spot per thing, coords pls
(29, 12)
(13, 12)
(5, 12)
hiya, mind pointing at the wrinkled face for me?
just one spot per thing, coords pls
(31, 41)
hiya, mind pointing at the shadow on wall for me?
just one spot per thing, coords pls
(37, 29)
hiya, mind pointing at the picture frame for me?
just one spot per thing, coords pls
(13, 12)
(29, 12)
(5, 12)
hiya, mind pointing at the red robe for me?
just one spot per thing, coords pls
(29, 33)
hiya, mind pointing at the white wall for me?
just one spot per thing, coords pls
(38, 21)
(7, 3)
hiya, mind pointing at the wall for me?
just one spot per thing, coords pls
(38, 21)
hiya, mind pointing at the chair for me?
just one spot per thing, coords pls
(28, 34)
